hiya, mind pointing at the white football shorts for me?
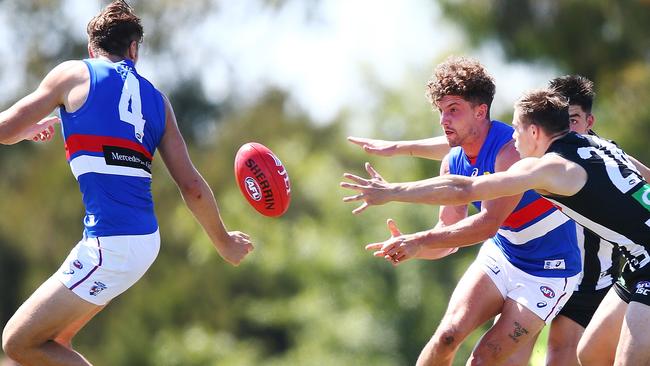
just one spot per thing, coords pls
(99, 269)
(544, 296)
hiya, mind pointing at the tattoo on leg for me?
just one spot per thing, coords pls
(517, 332)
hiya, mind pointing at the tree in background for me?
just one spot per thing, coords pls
(606, 41)
(298, 301)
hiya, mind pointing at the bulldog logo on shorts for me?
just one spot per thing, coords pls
(97, 288)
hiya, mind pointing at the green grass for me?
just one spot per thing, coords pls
(539, 352)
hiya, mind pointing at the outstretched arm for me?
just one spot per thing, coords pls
(232, 246)
(644, 170)
(397, 237)
(375, 190)
(448, 215)
(454, 228)
(550, 173)
(434, 148)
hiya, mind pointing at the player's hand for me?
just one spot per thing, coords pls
(398, 248)
(373, 191)
(42, 131)
(236, 247)
(373, 146)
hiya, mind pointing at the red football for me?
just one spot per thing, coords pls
(262, 179)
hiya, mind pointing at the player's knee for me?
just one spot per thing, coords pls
(583, 358)
(442, 345)
(487, 355)
(64, 340)
(585, 355)
(447, 338)
(566, 351)
(14, 345)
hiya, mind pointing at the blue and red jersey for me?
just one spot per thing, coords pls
(110, 143)
(536, 237)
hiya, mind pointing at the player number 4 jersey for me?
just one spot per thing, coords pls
(110, 144)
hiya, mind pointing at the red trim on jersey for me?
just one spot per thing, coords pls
(94, 143)
(527, 213)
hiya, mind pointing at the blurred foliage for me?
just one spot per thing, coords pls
(606, 41)
(309, 294)
(590, 37)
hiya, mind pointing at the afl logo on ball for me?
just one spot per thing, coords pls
(547, 292)
(262, 179)
(253, 188)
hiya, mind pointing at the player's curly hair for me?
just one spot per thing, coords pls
(114, 28)
(462, 77)
(545, 108)
(578, 89)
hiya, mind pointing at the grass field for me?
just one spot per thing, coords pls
(539, 352)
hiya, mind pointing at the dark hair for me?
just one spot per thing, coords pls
(545, 108)
(114, 28)
(463, 77)
(578, 89)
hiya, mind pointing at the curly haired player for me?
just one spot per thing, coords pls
(529, 263)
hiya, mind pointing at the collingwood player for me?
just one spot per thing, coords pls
(592, 181)
(600, 258)
(529, 262)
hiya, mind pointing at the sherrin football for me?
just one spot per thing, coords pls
(262, 179)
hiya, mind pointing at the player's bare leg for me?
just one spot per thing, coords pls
(563, 338)
(52, 312)
(522, 356)
(474, 301)
(598, 343)
(65, 336)
(634, 343)
(516, 328)
(563, 341)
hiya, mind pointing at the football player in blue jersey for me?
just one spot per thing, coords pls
(113, 121)
(592, 181)
(600, 257)
(529, 263)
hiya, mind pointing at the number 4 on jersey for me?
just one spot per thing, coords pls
(131, 93)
